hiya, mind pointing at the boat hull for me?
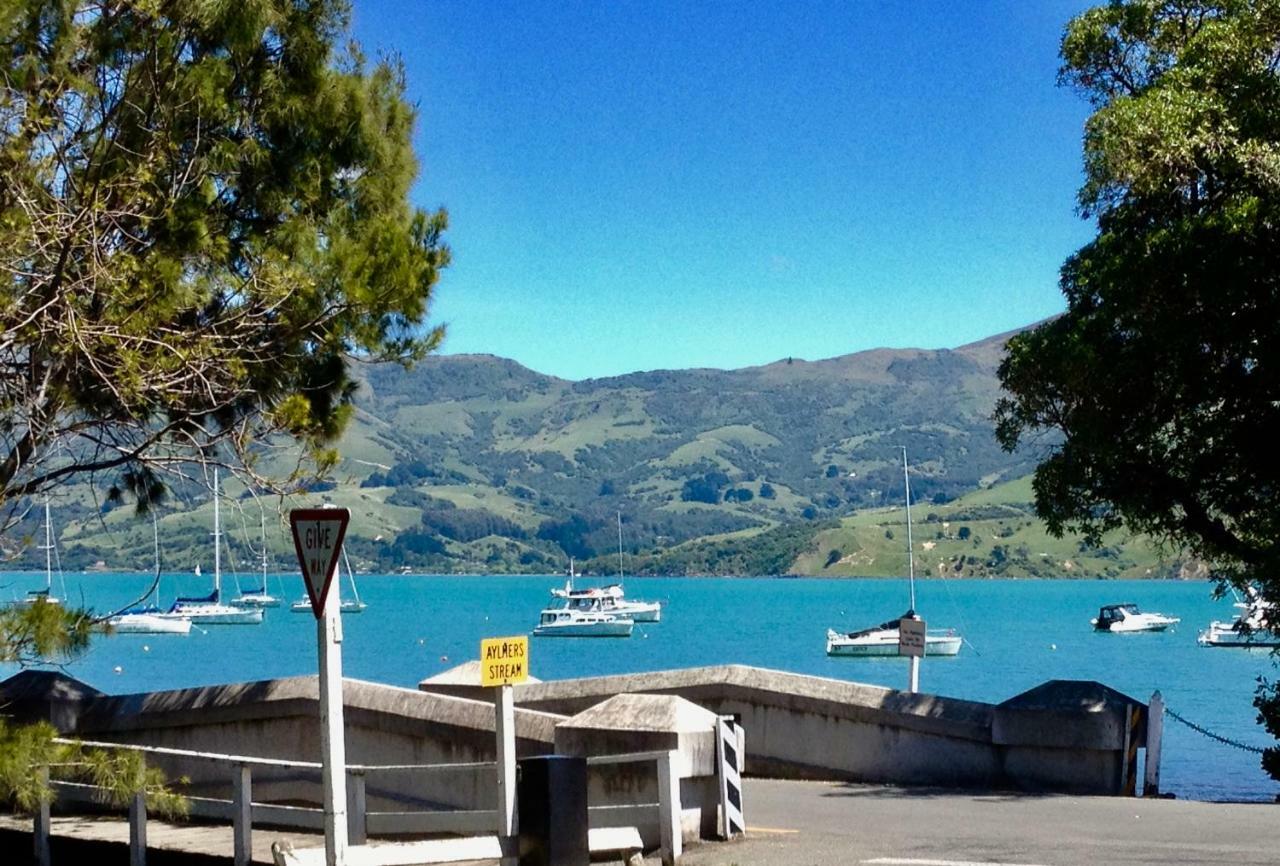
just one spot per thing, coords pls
(616, 628)
(641, 611)
(934, 645)
(149, 623)
(1223, 635)
(257, 601)
(220, 614)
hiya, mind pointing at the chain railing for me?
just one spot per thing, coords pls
(1200, 729)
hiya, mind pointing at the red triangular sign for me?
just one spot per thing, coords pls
(317, 537)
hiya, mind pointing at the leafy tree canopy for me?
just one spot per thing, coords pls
(1162, 374)
(203, 219)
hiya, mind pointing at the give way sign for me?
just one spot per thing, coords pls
(317, 537)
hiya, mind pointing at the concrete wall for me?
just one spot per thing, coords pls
(280, 719)
(811, 727)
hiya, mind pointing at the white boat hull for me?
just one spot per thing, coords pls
(254, 600)
(611, 628)
(219, 614)
(149, 623)
(1224, 634)
(885, 643)
(641, 611)
(304, 606)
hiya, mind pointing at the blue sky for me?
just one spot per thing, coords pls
(636, 186)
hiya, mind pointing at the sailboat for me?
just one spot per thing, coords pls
(144, 616)
(259, 597)
(882, 640)
(345, 605)
(210, 609)
(46, 595)
(614, 596)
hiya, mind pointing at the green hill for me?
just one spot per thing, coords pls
(477, 464)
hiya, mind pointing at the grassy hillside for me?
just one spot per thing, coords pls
(476, 464)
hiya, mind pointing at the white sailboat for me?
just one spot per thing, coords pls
(46, 595)
(145, 617)
(882, 640)
(345, 605)
(1251, 628)
(259, 597)
(210, 609)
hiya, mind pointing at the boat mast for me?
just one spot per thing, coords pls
(48, 551)
(217, 542)
(619, 548)
(911, 561)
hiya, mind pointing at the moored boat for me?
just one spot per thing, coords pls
(210, 609)
(1251, 628)
(1126, 617)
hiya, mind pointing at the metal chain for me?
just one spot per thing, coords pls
(1211, 735)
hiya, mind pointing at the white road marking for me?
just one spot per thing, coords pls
(907, 861)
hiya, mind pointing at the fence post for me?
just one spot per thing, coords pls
(40, 830)
(357, 808)
(242, 814)
(729, 776)
(1155, 734)
(138, 829)
(669, 809)
(505, 727)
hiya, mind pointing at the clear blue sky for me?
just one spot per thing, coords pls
(644, 185)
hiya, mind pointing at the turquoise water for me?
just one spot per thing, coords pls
(1019, 634)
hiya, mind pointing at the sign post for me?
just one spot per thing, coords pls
(504, 661)
(911, 638)
(317, 538)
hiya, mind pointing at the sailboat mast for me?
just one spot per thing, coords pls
(911, 560)
(48, 549)
(217, 542)
(619, 548)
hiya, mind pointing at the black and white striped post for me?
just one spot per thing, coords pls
(729, 764)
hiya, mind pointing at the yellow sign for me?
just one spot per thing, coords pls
(504, 660)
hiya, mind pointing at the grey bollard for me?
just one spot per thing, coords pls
(552, 803)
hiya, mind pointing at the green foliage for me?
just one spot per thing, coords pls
(204, 215)
(1164, 375)
(41, 631)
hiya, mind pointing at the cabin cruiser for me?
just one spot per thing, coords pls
(613, 599)
(1250, 628)
(1127, 618)
(882, 640)
(583, 616)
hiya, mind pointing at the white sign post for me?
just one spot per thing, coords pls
(317, 538)
(911, 638)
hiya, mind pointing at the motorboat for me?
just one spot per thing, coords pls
(883, 639)
(1127, 618)
(583, 616)
(1250, 628)
(210, 609)
(613, 595)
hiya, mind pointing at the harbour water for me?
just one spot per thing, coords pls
(1018, 634)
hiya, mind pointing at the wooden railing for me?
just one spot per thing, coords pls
(244, 813)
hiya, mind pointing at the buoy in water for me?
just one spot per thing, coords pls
(118, 669)
(146, 648)
(1053, 646)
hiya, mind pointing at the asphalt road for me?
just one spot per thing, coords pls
(859, 825)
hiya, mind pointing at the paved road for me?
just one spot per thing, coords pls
(804, 823)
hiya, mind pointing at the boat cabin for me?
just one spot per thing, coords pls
(1113, 613)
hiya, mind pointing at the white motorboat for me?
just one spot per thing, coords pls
(882, 640)
(1250, 628)
(582, 617)
(210, 609)
(1126, 617)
